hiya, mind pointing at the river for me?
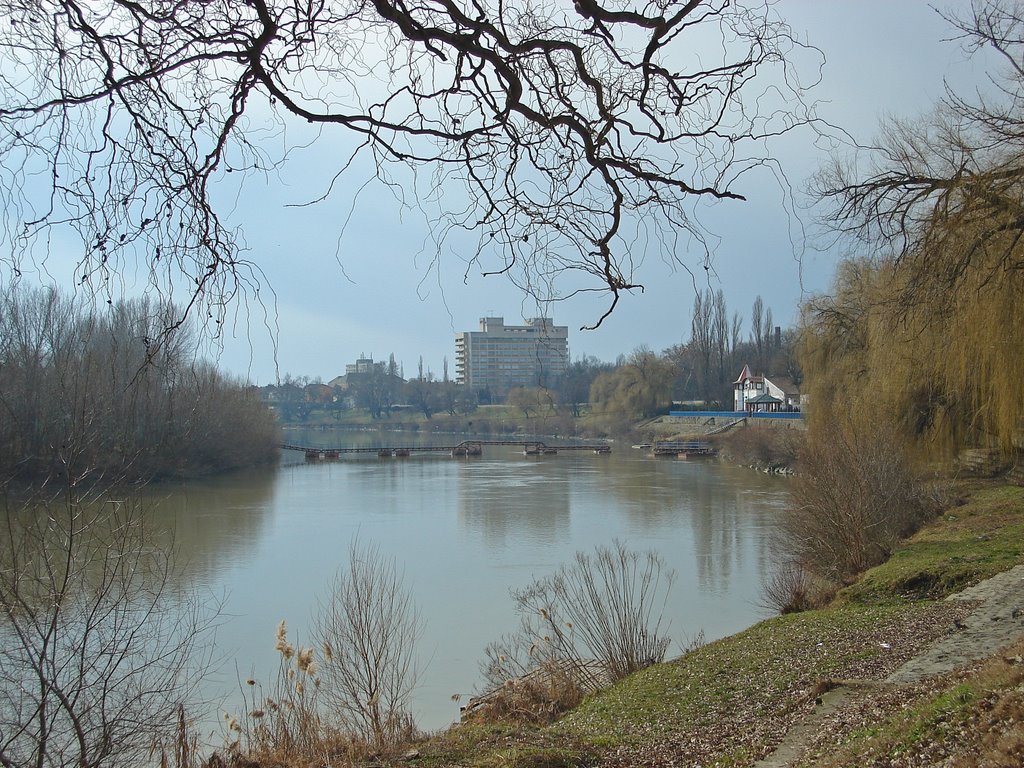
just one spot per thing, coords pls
(465, 531)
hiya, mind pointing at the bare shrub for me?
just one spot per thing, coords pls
(765, 447)
(596, 620)
(791, 588)
(853, 500)
(368, 630)
(538, 698)
(100, 657)
(346, 695)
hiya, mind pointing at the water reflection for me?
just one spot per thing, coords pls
(466, 531)
(212, 524)
(502, 500)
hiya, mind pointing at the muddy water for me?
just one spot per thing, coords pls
(465, 531)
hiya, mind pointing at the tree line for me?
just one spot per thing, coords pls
(922, 329)
(91, 394)
(641, 384)
(916, 352)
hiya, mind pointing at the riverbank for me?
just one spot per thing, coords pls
(826, 687)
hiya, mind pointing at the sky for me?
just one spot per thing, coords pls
(344, 281)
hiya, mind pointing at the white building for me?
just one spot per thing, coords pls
(499, 357)
(761, 394)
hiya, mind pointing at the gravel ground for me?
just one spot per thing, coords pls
(997, 621)
(753, 728)
(994, 621)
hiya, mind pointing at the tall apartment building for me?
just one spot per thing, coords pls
(499, 357)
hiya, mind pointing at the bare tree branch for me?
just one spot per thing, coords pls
(570, 128)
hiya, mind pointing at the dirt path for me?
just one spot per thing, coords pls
(997, 621)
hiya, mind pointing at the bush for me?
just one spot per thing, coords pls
(854, 498)
(791, 588)
(596, 620)
(347, 695)
(770, 448)
(103, 653)
(368, 630)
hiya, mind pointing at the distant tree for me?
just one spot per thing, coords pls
(721, 337)
(531, 400)
(790, 356)
(640, 388)
(368, 389)
(735, 335)
(757, 334)
(94, 391)
(703, 340)
(422, 394)
(574, 386)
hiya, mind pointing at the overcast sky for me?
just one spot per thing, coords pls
(368, 292)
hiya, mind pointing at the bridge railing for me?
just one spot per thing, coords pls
(737, 414)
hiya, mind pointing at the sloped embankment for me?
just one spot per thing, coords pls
(824, 687)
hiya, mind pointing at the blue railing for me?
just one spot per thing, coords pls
(736, 415)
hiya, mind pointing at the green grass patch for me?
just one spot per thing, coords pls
(961, 547)
(758, 673)
(505, 745)
(914, 729)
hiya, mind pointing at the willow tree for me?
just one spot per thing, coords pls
(942, 198)
(639, 388)
(573, 129)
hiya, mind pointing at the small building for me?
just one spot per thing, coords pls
(759, 394)
(363, 364)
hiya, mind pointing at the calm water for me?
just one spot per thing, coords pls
(466, 531)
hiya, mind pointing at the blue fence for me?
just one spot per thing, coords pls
(736, 415)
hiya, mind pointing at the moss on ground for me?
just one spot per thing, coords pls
(966, 544)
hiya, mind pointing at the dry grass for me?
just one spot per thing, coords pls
(292, 722)
(968, 719)
(540, 698)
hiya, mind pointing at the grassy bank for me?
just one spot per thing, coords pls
(732, 701)
(485, 419)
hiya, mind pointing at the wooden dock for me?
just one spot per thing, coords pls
(684, 449)
(465, 449)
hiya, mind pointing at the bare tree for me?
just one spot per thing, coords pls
(703, 340)
(574, 129)
(720, 336)
(99, 651)
(943, 189)
(855, 497)
(87, 391)
(929, 318)
(368, 630)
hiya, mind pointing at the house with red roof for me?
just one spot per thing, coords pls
(759, 394)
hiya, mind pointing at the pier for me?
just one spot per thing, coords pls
(684, 448)
(465, 449)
